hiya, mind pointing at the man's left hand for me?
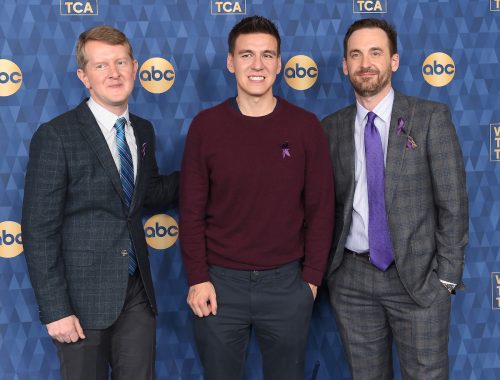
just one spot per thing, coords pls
(314, 289)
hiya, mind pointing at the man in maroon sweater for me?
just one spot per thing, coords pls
(256, 213)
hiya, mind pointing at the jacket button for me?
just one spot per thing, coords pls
(124, 253)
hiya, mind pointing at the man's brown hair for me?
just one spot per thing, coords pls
(371, 23)
(104, 33)
(253, 24)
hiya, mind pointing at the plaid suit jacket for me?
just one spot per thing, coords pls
(76, 226)
(425, 194)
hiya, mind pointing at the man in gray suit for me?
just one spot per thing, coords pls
(91, 171)
(401, 216)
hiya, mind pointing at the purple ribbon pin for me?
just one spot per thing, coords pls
(401, 126)
(410, 143)
(285, 150)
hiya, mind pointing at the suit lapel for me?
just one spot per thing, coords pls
(347, 140)
(140, 142)
(344, 150)
(396, 148)
(92, 133)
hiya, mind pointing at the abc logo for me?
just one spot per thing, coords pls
(438, 69)
(161, 231)
(301, 72)
(11, 241)
(157, 75)
(11, 77)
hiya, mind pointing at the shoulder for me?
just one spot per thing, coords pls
(421, 104)
(67, 118)
(60, 125)
(137, 120)
(295, 112)
(339, 115)
(141, 123)
(298, 119)
(213, 113)
(211, 120)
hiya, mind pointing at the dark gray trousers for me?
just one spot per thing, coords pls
(276, 304)
(128, 346)
(372, 308)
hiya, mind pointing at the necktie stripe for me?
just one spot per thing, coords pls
(128, 185)
(127, 167)
(127, 179)
(128, 175)
(121, 150)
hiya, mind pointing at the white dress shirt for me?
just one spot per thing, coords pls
(106, 121)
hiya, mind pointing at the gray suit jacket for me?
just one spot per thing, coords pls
(425, 194)
(76, 226)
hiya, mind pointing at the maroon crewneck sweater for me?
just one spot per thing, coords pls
(256, 192)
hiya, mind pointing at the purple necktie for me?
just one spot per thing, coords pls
(378, 229)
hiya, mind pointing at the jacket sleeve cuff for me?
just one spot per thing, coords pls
(47, 317)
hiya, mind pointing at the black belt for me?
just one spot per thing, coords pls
(364, 255)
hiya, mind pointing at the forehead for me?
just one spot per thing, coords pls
(255, 41)
(364, 39)
(99, 50)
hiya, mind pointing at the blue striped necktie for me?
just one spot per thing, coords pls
(127, 177)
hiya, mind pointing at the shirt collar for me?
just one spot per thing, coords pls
(105, 118)
(383, 109)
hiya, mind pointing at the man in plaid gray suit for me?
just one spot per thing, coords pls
(90, 172)
(401, 220)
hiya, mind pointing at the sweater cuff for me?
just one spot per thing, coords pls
(312, 276)
(198, 278)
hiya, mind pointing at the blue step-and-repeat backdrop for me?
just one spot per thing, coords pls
(449, 52)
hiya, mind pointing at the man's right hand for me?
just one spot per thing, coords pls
(66, 330)
(202, 299)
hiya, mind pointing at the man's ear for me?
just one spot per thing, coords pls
(395, 62)
(230, 62)
(344, 66)
(83, 77)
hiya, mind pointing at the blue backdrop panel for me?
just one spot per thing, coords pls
(40, 36)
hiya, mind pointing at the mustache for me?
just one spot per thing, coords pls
(367, 71)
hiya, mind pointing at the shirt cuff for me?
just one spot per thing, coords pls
(450, 286)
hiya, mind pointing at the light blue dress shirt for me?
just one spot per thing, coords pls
(357, 240)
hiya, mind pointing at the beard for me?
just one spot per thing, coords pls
(367, 87)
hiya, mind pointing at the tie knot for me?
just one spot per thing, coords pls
(120, 124)
(371, 118)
